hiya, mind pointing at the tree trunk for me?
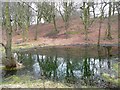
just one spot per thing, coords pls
(99, 31)
(53, 14)
(86, 33)
(15, 23)
(108, 36)
(66, 18)
(36, 31)
(26, 31)
(10, 62)
(93, 9)
(86, 19)
(54, 23)
(101, 17)
(113, 8)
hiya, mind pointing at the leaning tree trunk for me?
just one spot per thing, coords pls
(9, 61)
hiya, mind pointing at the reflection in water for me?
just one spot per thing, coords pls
(67, 68)
(36, 67)
(108, 56)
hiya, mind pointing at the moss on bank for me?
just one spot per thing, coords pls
(113, 79)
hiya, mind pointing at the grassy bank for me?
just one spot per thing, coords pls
(28, 82)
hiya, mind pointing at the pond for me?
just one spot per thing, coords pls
(77, 65)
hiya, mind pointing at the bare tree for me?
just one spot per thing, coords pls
(67, 10)
(53, 13)
(93, 6)
(85, 16)
(100, 22)
(9, 61)
(38, 16)
(108, 32)
(49, 13)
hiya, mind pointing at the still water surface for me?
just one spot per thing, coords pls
(84, 65)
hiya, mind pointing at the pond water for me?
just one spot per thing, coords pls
(82, 64)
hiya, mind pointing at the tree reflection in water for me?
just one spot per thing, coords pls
(67, 68)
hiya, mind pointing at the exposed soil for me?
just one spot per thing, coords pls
(48, 36)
